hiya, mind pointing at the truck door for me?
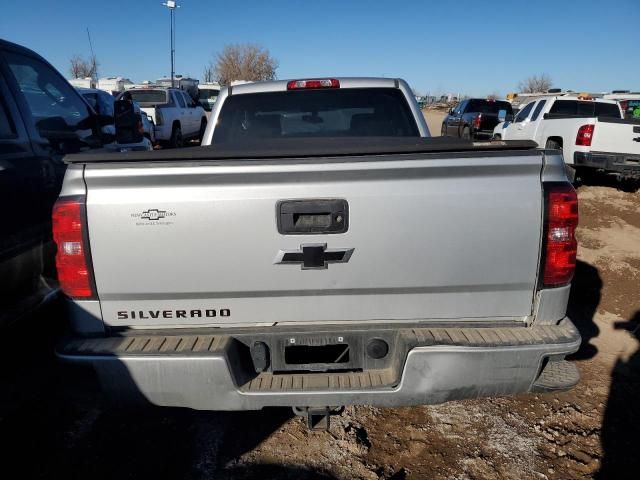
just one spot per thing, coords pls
(523, 126)
(57, 121)
(453, 120)
(20, 172)
(181, 110)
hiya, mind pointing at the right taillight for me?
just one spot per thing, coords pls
(72, 255)
(560, 244)
(159, 119)
(585, 135)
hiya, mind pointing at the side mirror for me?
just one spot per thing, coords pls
(128, 123)
(451, 111)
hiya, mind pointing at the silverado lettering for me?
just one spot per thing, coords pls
(145, 314)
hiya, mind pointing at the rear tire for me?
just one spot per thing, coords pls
(466, 133)
(553, 145)
(497, 137)
(176, 140)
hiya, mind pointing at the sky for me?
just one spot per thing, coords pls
(462, 47)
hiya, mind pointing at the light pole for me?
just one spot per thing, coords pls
(172, 5)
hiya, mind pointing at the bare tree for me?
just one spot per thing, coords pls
(209, 72)
(82, 68)
(536, 84)
(244, 62)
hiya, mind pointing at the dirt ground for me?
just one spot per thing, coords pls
(434, 121)
(48, 430)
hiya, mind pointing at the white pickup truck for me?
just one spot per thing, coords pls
(591, 133)
(177, 117)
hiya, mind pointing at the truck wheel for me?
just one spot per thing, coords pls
(176, 140)
(553, 145)
(443, 131)
(203, 127)
(466, 133)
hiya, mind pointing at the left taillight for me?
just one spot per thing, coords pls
(560, 244)
(477, 121)
(72, 256)
(585, 135)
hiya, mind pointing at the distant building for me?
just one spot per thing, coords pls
(188, 84)
(113, 84)
(86, 82)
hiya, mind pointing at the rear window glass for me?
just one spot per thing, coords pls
(149, 97)
(607, 110)
(585, 108)
(208, 94)
(316, 113)
(484, 106)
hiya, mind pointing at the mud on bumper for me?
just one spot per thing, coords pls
(216, 371)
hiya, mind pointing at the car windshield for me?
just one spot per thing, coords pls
(208, 94)
(315, 113)
(486, 106)
(149, 97)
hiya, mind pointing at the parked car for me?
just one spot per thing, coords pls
(590, 132)
(102, 103)
(475, 118)
(324, 253)
(176, 116)
(208, 94)
(42, 118)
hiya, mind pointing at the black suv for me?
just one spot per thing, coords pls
(42, 118)
(475, 118)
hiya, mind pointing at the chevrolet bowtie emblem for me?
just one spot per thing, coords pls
(314, 256)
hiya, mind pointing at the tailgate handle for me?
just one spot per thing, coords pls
(313, 216)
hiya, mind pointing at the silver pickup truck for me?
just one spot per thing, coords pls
(322, 251)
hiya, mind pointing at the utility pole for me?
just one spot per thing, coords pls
(94, 62)
(172, 5)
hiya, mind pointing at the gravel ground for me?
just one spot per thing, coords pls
(49, 429)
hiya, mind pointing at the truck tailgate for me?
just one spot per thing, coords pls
(194, 243)
(616, 136)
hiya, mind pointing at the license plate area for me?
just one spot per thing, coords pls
(317, 354)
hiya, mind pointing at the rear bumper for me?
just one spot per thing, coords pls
(627, 165)
(424, 366)
(482, 133)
